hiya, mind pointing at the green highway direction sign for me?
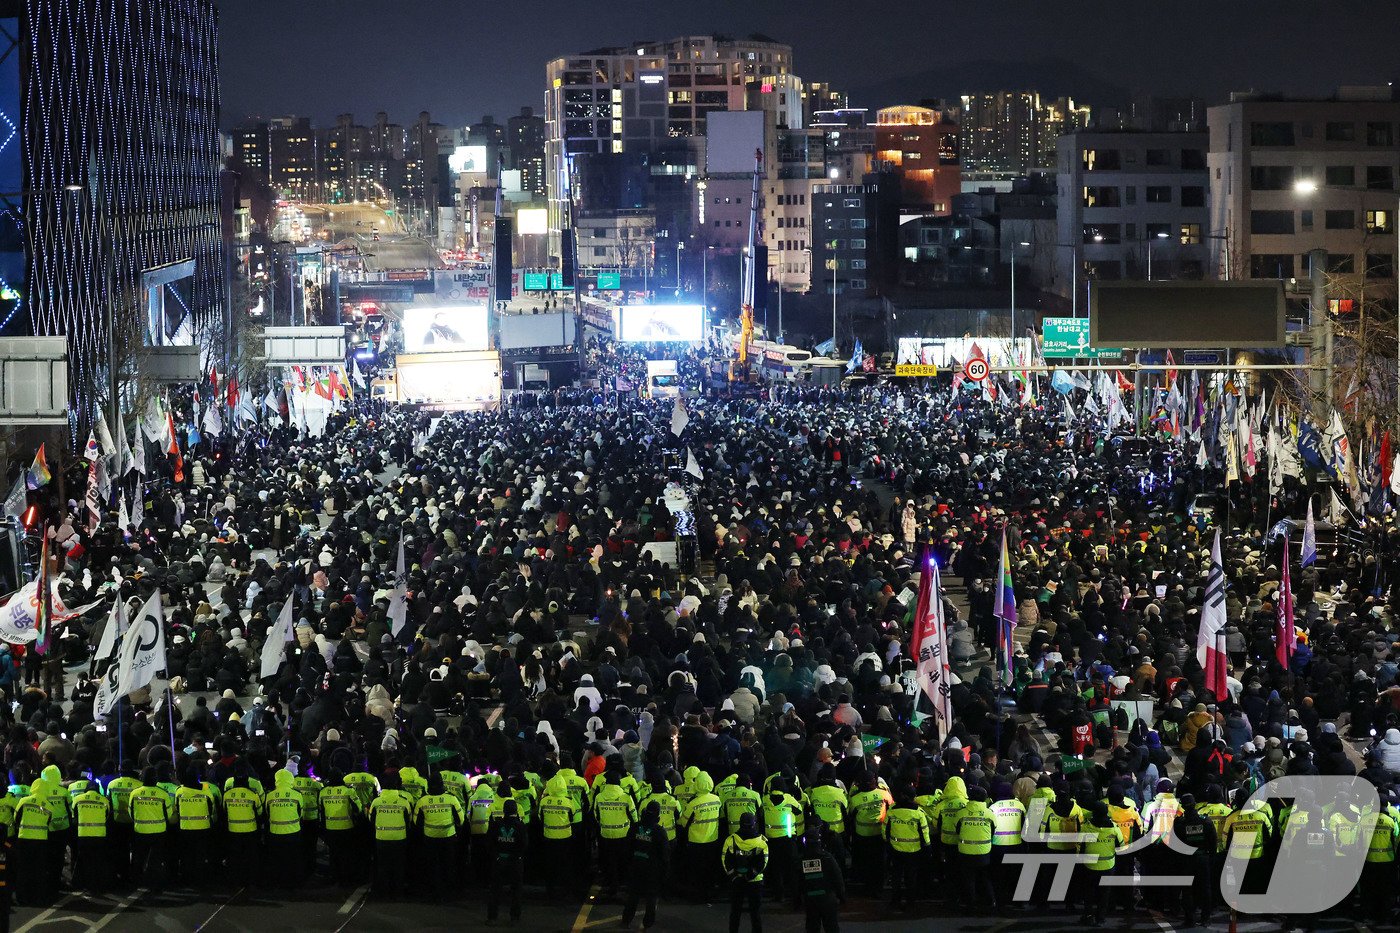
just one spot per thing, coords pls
(543, 281)
(609, 281)
(1068, 337)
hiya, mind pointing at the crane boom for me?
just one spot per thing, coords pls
(750, 271)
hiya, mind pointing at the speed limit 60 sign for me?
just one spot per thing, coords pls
(976, 370)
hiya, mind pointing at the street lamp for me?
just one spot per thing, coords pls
(1307, 186)
(1159, 236)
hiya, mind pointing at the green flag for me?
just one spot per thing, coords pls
(872, 743)
(437, 753)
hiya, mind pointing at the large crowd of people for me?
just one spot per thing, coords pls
(562, 707)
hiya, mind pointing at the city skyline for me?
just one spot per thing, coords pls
(1086, 49)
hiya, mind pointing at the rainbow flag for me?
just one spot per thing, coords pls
(43, 610)
(38, 474)
(1005, 612)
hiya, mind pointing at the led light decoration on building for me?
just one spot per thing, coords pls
(120, 106)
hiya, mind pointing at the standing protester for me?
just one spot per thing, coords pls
(648, 866)
(745, 858)
(823, 883)
(508, 841)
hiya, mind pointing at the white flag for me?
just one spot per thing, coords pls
(125, 460)
(355, 371)
(123, 516)
(692, 466)
(18, 498)
(398, 599)
(104, 436)
(142, 654)
(115, 629)
(274, 649)
(138, 453)
(213, 421)
(679, 417)
(138, 503)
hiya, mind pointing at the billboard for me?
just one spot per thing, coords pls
(921, 356)
(467, 159)
(437, 329)
(732, 137)
(468, 379)
(659, 323)
(1186, 315)
(521, 331)
(532, 221)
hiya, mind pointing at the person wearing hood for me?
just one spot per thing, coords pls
(31, 819)
(647, 868)
(283, 805)
(508, 841)
(907, 835)
(1388, 751)
(745, 855)
(614, 813)
(783, 825)
(700, 820)
(869, 810)
(196, 813)
(949, 810)
(1099, 849)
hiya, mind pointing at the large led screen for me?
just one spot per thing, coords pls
(438, 329)
(660, 323)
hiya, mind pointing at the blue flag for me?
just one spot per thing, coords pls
(1310, 449)
(1310, 538)
(857, 357)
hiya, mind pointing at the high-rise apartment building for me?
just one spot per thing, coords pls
(1009, 133)
(525, 136)
(291, 155)
(633, 98)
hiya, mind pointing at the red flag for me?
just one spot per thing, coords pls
(1287, 637)
(214, 379)
(1387, 459)
(1171, 371)
(1124, 384)
(232, 392)
(928, 643)
(334, 383)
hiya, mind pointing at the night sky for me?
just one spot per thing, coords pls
(460, 59)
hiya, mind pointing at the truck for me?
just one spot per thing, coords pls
(663, 379)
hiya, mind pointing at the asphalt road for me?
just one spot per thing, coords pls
(324, 908)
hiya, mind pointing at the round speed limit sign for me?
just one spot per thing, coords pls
(976, 370)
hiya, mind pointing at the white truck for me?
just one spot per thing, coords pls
(663, 379)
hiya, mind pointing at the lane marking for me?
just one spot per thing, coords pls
(355, 895)
(210, 919)
(581, 922)
(364, 899)
(42, 918)
(121, 905)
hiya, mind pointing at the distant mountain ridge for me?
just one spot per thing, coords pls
(1051, 77)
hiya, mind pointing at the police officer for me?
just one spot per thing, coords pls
(195, 819)
(480, 805)
(340, 815)
(1124, 813)
(439, 816)
(1378, 874)
(310, 790)
(950, 807)
(1101, 851)
(745, 856)
(1008, 821)
(783, 824)
(828, 804)
(285, 858)
(740, 798)
(976, 837)
(152, 812)
(907, 835)
(700, 820)
(119, 791)
(91, 856)
(868, 807)
(509, 842)
(390, 814)
(31, 848)
(243, 812)
(561, 822)
(614, 812)
(1193, 829)
(55, 797)
(647, 869)
(823, 884)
